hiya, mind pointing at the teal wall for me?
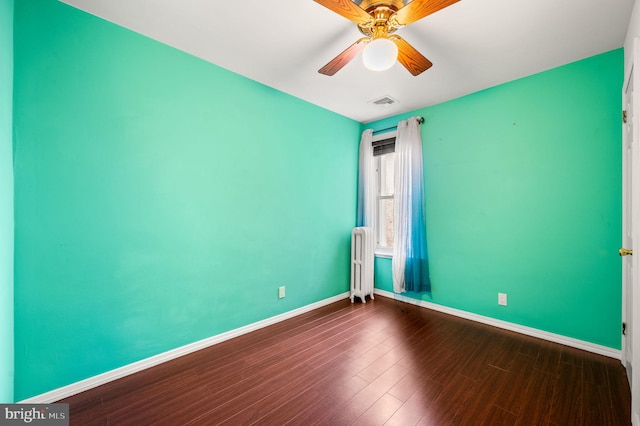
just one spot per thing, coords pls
(6, 201)
(160, 199)
(523, 187)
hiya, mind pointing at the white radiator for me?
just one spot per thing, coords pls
(362, 247)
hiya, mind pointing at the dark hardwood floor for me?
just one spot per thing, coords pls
(379, 363)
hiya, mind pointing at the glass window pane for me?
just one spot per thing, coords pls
(385, 224)
(386, 174)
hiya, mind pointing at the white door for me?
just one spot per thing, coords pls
(630, 231)
(627, 239)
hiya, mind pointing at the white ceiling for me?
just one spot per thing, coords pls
(473, 44)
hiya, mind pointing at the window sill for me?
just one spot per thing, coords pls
(384, 252)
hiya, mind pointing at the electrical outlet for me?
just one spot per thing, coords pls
(281, 292)
(502, 299)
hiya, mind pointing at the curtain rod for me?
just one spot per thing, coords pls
(420, 121)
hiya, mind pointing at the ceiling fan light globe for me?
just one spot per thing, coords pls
(380, 54)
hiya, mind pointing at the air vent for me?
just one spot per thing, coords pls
(384, 101)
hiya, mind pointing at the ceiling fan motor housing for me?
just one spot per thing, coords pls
(381, 23)
(369, 5)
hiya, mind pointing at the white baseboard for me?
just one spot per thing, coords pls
(534, 332)
(109, 376)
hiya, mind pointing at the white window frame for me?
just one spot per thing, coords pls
(381, 251)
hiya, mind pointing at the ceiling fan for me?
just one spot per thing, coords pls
(378, 20)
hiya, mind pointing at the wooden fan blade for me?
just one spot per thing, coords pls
(409, 57)
(418, 9)
(344, 58)
(347, 9)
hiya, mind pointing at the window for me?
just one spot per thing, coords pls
(384, 158)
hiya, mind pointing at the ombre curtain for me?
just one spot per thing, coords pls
(409, 265)
(366, 182)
